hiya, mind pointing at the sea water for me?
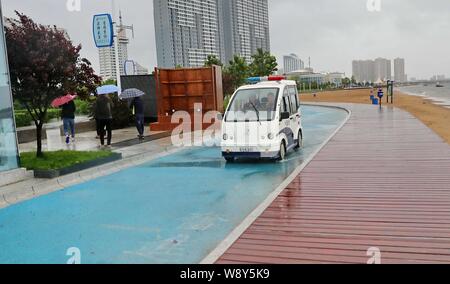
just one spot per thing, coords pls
(440, 96)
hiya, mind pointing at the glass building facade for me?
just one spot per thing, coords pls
(9, 158)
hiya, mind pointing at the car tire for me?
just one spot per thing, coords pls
(282, 151)
(229, 159)
(299, 141)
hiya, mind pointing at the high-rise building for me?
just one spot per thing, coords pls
(399, 70)
(245, 27)
(356, 70)
(108, 57)
(383, 69)
(372, 71)
(188, 31)
(140, 70)
(292, 63)
(364, 71)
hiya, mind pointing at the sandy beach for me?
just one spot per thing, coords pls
(434, 116)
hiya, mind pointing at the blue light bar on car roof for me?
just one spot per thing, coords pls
(255, 80)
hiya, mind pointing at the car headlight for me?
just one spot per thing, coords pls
(271, 136)
(225, 137)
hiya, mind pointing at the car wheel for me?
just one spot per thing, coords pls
(282, 151)
(229, 159)
(299, 141)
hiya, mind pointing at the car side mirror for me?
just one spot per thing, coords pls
(220, 116)
(285, 115)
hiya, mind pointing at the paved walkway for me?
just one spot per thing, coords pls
(55, 123)
(87, 141)
(382, 182)
(134, 152)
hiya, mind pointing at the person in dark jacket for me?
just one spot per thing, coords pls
(68, 117)
(103, 115)
(138, 105)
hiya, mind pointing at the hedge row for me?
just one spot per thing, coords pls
(23, 118)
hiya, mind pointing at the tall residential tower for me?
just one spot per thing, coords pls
(372, 71)
(399, 70)
(107, 55)
(245, 27)
(383, 70)
(364, 71)
(188, 31)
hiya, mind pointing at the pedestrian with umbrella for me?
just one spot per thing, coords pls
(134, 97)
(68, 109)
(103, 112)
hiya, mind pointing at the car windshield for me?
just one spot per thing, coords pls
(253, 105)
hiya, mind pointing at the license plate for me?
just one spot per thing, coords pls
(245, 150)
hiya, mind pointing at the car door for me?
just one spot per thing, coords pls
(285, 125)
(295, 107)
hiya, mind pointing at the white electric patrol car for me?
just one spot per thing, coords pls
(263, 120)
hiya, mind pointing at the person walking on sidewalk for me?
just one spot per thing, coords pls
(103, 114)
(138, 105)
(68, 117)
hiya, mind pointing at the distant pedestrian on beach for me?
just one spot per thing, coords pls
(380, 93)
(68, 117)
(103, 115)
(138, 105)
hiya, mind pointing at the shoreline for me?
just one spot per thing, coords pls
(435, 100)
(436, 117)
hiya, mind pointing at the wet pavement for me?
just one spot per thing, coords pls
(175, 209)
(87, 141)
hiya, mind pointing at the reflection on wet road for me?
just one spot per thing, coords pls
(173, 210)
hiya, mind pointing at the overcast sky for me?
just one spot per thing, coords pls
(331, 32)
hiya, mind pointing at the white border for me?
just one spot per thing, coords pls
(221, 249)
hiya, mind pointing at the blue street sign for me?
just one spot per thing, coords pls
(103, 30)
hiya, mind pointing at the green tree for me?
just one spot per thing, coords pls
(346, 82)
(264, 64)
(213, 60)
(237, 72)
(110, 82)
(44, 65)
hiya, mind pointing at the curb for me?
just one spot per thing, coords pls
(51, 174)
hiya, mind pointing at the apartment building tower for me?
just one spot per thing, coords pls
(188, 31)
(399, 70)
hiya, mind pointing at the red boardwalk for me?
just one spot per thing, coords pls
(383, 181)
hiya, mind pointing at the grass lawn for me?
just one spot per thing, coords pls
(59, 159)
